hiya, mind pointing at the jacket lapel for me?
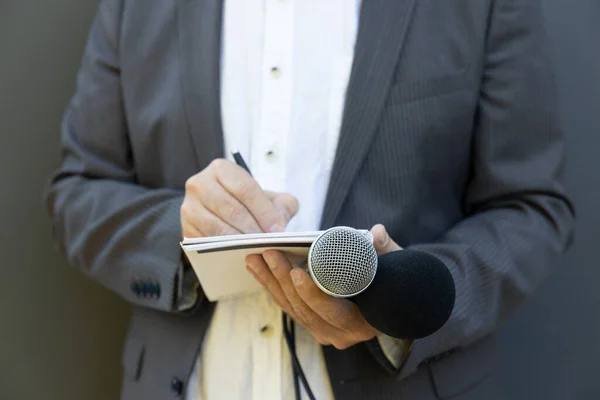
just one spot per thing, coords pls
(200, 55)
(381, 33)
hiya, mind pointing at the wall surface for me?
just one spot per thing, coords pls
(60, 335)
(551, 349)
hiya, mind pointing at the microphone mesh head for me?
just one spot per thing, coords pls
(342, 261)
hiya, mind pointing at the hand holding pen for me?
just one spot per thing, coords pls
(224, 199)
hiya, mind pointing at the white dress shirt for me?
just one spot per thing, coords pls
(285, 69)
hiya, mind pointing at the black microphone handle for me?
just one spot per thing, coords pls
(412, 295)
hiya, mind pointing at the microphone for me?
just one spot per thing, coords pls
(405, 294)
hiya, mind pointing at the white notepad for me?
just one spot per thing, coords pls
(219, 261)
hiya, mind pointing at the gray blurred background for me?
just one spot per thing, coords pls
(61, 335)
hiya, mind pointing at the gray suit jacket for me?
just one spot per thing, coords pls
(449, 138)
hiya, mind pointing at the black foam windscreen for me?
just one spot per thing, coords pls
(411, 297)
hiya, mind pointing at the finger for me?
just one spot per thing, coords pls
(286, 203)
(247, 191)
(284, 307)
(226, 207)
(261, 272)
(188, 228)
(382, 240)
(320, 339)
(277, 301)
(197, 221)
(281, 268)
(190, 231)
(341, 313)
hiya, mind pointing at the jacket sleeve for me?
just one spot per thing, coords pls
(519, 220)
(119, 233)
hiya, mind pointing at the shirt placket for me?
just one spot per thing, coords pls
(269, 149)
(269, 166)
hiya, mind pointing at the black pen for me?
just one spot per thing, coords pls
(239, 160)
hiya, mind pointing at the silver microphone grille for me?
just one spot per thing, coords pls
(342, 261)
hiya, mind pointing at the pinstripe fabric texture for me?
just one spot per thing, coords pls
(449, 138)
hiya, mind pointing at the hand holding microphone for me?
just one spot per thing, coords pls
(331, 320)
(405, 294)
(358, 287)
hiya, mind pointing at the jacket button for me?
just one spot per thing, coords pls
(176, 386)
(135, 288)
(148, 289)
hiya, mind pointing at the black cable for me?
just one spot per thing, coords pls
(295, 362)
(288, 329)
(296, 379)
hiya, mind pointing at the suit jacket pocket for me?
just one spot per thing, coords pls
(133, 358)
(463, 370)
(411, 90)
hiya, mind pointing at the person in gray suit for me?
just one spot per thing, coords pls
(448, 137)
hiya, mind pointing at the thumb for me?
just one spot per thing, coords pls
(285, 203)
(382, 240)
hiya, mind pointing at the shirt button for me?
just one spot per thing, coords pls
(270, 155)
(266, 331)
(275, 72)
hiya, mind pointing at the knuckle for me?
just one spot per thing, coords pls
(214, 228)
(184, 210)
(244, 189)
(341, 344)
(260, 272)
(194, 185)
(280, 276)
(291, 205)
(340, 315)
(190, 184)
(209, 228)
(281, 279)
(217, 164)
(262, 280)
(186, 214)
(218, 231)
(235, 212)
(272, 289)
(322, 341)
(365, 335)
(222, 230)
(345, 322)
(304, 315)
(337, 315)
